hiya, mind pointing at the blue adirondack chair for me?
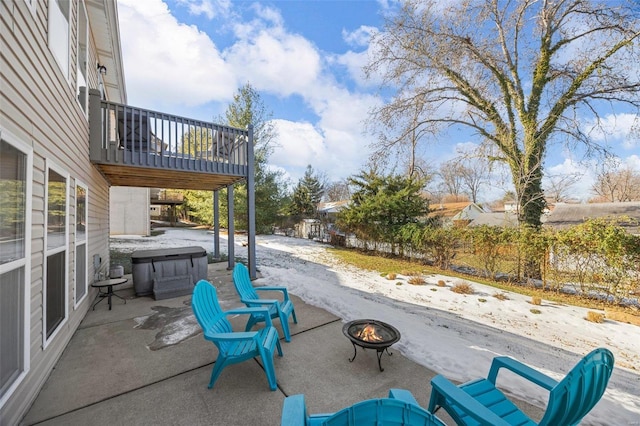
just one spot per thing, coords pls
(282, 309)
(479, 402)
(400, 408)
(234, 347)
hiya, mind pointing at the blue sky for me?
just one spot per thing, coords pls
(305, 58)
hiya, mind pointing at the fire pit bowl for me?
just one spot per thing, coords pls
(371, 334)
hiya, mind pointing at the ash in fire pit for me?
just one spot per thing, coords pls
(371, 334)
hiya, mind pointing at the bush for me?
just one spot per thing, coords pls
(416, 280)
(536, 300)
(501, 296)
(462, 287)
(595, 317)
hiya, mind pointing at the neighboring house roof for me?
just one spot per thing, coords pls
(502, 219)
(566, 215)
(333, 206)
(456, 211)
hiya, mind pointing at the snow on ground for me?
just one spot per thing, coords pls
(453, 334)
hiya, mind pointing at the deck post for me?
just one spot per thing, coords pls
(95, 125)
(216, 225)
(251, 207)
(231, 228)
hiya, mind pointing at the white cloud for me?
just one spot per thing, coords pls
(616, 127)
(298, 144)
(359, 37)
(283, 64)
(167, 62)
(633, 161)
(209, 8)
(580, 190)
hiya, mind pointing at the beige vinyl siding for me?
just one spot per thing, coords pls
(39, 106)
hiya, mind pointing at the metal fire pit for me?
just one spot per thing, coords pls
(371, 334)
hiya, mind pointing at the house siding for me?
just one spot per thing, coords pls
(39, 107)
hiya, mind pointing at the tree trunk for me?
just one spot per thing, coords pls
(531, 204)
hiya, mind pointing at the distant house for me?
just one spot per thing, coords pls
(566, 215)
(458, 214)
(504, 219)
(67, 135)
(329, 211)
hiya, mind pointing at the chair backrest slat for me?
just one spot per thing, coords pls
(575, 395)
(242, 281)
(207, 309)
(383, 411)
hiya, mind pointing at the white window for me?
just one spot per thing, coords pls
(56, 243)
(82, 57)
(81, 279)
(15, 253)
(59, 34)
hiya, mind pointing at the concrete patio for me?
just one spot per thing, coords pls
(145, 362)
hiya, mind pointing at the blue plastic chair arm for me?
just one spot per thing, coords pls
(274, 302)
(294, 411)
(522, 370)
(235, 336)
(272, 288)
(465, 402)
(255, 310)
(403, 395)
(252, 311)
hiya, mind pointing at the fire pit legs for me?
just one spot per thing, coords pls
(371, 334)
(378, 354)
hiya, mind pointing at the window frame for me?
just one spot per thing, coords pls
(24, 262)
(51, 165)
(53, 32)
(82, 12)
(85, 242)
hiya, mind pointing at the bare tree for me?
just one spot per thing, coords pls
(616, 183)
(518, 73)
(451, 176)
(337, 191)
(558, 187)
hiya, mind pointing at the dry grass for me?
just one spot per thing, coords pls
(391, 276)
(462, 287)
(622, 317)
(535, 311)
(410, 273)
(535, 300)
(501, 296)
(595, 317)
(441, 283)
(416, 280)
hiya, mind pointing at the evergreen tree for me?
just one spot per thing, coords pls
(247, 108)
(382, 205)
(306, 195)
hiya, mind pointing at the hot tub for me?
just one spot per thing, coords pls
(170, 272)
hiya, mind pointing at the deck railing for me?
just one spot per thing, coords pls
(123, 134)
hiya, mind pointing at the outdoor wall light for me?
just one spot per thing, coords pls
(102, 69)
